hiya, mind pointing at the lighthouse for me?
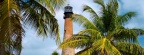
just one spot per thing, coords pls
(68, 30)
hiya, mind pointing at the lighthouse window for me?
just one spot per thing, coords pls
(64, 31)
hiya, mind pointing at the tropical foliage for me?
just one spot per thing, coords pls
(55, 53)
(104, 33)
(15, 14)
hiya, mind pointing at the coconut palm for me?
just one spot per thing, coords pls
(55, 53)
(14, 14)
(105, 34)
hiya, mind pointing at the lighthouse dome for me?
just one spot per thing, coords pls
(68, 9)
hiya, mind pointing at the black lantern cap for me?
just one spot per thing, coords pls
(68, 12)
(68, 9)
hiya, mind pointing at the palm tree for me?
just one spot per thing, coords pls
(55, 53)
(14, 14)
(105, 34)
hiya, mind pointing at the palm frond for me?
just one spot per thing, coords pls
(112, 6)
(53, 5)
(40, 19)
(83, 38)
(91, 32)
(105, 47)
(108, 21)
(90, 10)
(10, 27)
(100, 2)
(126, 35)
(129, 48)
(138, 31)
(76, 41)
(86, 51)
(48, 5)
(109, 15)
(87, 24)
(94, 17)
(57, 3)
(124, 18)
(101, 46)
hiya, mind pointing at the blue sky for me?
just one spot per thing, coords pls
(35, 45)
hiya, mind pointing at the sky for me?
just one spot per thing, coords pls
(35, 45)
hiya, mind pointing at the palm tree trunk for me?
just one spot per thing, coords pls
(1, 43)
(2, 49)
(1, 1)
